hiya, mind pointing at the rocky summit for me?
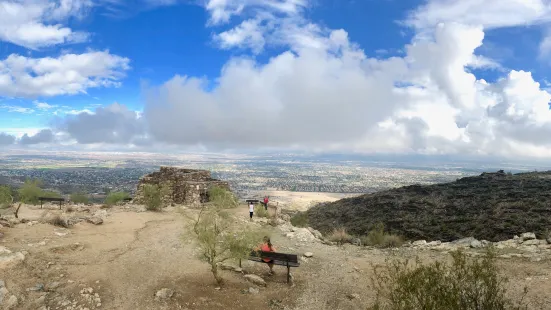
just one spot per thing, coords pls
(491, 206)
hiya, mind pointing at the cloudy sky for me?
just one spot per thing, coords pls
(460, 77)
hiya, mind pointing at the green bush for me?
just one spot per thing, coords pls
(30, 191)
(223, 197)
(377, 237)
(300, 219)
(115, 198)
(464, 284)
(152, 197)
(80, 198)
(260, 211)
(6, 197)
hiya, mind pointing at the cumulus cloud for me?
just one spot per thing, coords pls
(22, 76)
(6, 139)
(112, 124)
(43, 136)
(326, 93)
(37, 23)
(487, 13)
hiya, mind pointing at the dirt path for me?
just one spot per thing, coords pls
(133, 254)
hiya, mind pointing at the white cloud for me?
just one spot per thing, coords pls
(326, 93)
(22, 76)
(16, 109)
(43, 105)
(275, 22)
(37, 23)
(486, 13)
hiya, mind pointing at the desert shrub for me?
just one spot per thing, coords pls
(30, 191)
(115, 198)
(340, 236)
(6, 197)
(217, 238)
(300, 219)
(260, 211)
(80, 198)
(152, 197)
(463, 284)
(223, 196)
(58, 220)
(377, 237)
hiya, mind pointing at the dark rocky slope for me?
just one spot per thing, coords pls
(492, 206)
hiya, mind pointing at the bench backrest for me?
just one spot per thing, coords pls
(252, 200)
(50, 199)
(292, 258)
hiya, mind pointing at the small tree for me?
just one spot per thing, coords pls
(115, 197)
(152, 197)
(30, 191)
(80, 198)
(217, 238)
(6, 197)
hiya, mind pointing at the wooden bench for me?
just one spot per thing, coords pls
(253, 201)
(281, 259)
(42, 199)
(127, 199)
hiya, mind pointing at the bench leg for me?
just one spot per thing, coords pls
(288, 274)
(240, 263)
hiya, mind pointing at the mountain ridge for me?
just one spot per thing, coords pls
(491, 206)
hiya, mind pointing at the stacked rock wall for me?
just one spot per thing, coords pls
(180, 186)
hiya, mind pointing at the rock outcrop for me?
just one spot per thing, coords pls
(491, 206)
(180, 186)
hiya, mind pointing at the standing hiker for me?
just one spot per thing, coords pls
(266, 203)
(251, 210)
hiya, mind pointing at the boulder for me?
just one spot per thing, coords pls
(316, 233)
(9, 259)
(528, 236)
(253, 290)
(164, 294)
(95, 220)
(466, 242)
(419, 243)
(255, 279)
(476, 244)
(11, 303)
(308, 254)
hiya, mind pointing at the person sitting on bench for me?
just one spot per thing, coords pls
(268, 247)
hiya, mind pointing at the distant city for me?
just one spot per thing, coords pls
(99, 173)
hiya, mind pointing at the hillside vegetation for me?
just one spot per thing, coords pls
(492, 206)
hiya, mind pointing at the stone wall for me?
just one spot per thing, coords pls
(180, 186)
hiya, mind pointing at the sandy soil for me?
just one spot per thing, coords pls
(299, 201)
(133, 254)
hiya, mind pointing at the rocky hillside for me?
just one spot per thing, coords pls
(492, 206)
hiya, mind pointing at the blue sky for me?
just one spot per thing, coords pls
(370, 76)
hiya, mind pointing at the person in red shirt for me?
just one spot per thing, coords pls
(266, 202)
(268, 247)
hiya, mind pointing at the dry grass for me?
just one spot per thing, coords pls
(340, 236)
(58, 220)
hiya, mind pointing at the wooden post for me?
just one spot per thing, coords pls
(40, 203)
(240, 263)
(288, 272)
